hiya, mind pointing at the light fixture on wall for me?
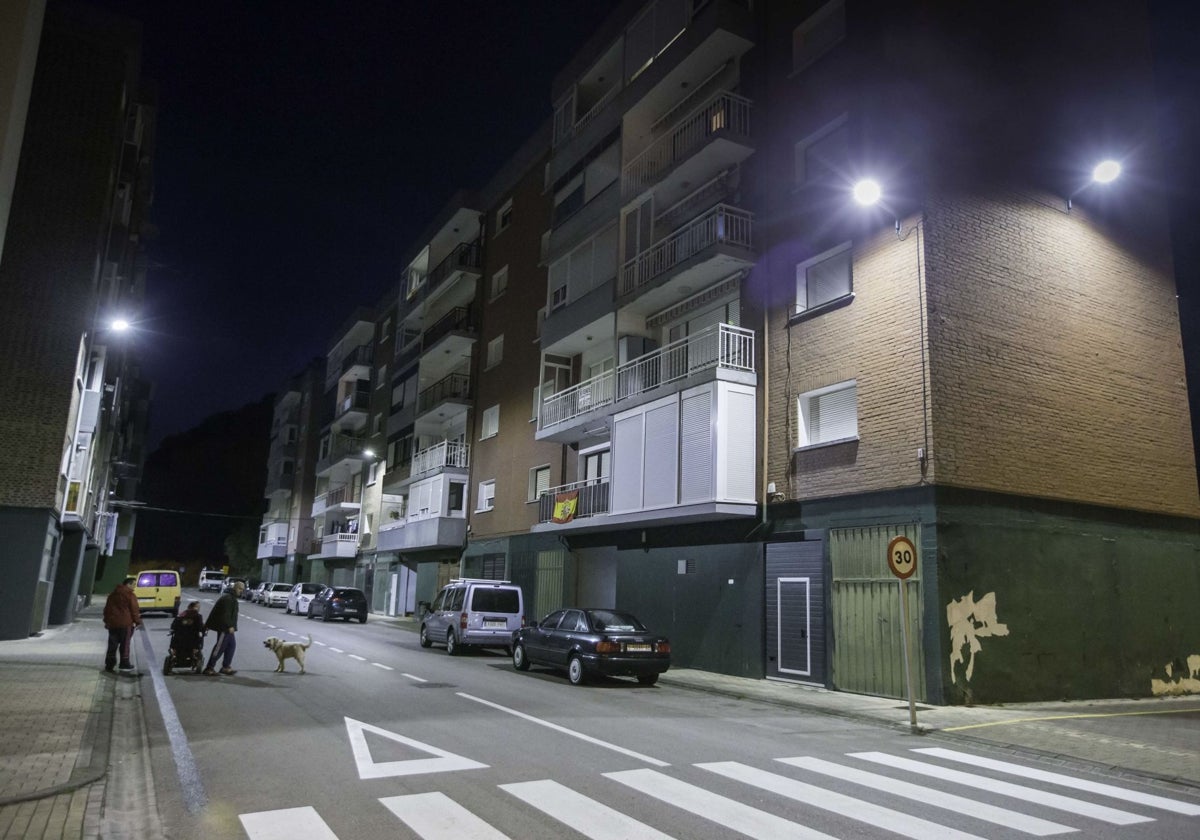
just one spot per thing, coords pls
(1103, 173)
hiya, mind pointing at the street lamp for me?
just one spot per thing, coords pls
(119, 325)
(1106, 171)
(867, 192)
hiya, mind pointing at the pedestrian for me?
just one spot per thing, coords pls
(223, 620)
(121, 615)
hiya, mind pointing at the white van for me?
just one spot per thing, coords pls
(468, 613)
(211, 579)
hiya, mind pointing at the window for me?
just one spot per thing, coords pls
(495, 351)
(491, 422)
(487, 495)
(504, 216)
(499, 283)
(381, 378)
(537, 330)
(828, 414)
(457, 496)
(823, 155)
(372, 472)
(539, 482)
(377, 424)
(405, 393)
(596, 465)
(385, 331)
(824, 278)
(821, 32)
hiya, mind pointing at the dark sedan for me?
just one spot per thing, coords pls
(591, 641)
(339, 602)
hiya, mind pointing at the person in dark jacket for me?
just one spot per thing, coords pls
(187, 633)
(223, 620)
(121, 615)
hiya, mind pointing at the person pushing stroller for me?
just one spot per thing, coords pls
(187, 640)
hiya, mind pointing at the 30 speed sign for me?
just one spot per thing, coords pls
(902, 557)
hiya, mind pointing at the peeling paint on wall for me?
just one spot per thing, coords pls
(969, 621)
(1183, 684)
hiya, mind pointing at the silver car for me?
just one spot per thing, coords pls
(300, 596)
(474, 613)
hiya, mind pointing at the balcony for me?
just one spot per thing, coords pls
(339, 546)
(340, 498)
(449, 396)
(593, 499)
(722, 349)
(713, 245)
(440, 456)
(423, 532)
(352, 410)
(272, 549)
(465, 260)
(361, 356)
(279, 483)
(341, 450)
(709, 138)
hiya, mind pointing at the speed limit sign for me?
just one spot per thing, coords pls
(902, 557)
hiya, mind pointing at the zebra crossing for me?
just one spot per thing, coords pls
(1037, 807)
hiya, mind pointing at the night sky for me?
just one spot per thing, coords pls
(303, 145)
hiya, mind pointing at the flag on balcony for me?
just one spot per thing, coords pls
(565, 505)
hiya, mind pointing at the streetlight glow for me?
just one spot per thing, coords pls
(1106, 171)
(120, 325)
(867, 192)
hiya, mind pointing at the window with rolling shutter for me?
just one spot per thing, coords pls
(828, 414)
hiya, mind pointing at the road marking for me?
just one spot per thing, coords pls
(384, 667)
(369, 768)
(194, 797)
(322, 644)
(336, 650)
(566, 731)
(413, 678)
(1050, 800)
(1067, 717)
(287, 823)
(931, 796)
(1112, 791)
(356, 656)
(435, 816)
(838, 803)
(587, 816)
(729, 813)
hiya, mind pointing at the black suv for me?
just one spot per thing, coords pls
(343, 602)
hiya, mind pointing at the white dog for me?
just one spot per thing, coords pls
(283, 650)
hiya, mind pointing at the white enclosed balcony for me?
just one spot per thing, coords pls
(448, 453)
(339, 545)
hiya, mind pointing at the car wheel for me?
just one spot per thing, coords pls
(167, 666)
(520, 661)
(425, 637)
(648, 679)
(362, 620)
(324, 616)
(308, 614)
(575, 671)
(452, 644)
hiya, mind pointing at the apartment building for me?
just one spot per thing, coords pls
(71, 275)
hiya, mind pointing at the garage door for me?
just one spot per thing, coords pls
(795, 611)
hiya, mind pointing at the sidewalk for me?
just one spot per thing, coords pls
(64, 724)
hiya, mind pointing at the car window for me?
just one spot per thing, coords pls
(616, 622)
(573, 621)
(488, 599)
(309, 588)
(280, 587)
(456, 600)
(551, 621)
(147, 579)
(168, 579)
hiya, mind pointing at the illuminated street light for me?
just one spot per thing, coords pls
(120, 325)
(867, 192)
(1106, 171)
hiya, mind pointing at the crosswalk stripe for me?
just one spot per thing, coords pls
(286, 824)
(1112, 791)
(930, 796)
(1041, 797)
(726, 812)
(587, 816)
(846, 806)
(435, 816)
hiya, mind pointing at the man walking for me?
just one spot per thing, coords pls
(223, 620)
(121, 615)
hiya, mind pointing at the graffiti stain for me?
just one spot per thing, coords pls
(970, 621)
(1189, 684)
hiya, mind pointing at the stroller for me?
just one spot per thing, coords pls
(186, 644)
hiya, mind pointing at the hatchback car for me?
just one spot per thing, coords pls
(342, 602)
(275, 594)
(229, 582)
(593, 641)
(253, 590)
(301, 595)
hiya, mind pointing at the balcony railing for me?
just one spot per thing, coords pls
(722, 224)
(445, 454)
(466, 256)
(593, 499)
(456, 386)
(364, 354)
(718, 346)
(340, 447)
(357, 401)
(458, 318)
(725, 112)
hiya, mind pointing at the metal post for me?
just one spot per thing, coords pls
(912, 706)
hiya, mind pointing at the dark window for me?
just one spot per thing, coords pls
(168, 579)
(615, 621)
(455, 600)
(551, 621)
(495, 600)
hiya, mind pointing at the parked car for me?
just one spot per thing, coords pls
(592, 641)
(211, 580)
(343, 602)
(275, 594)
(467, 612)
(301, 595)
(253, 588)
(158, 590)
(228, 583)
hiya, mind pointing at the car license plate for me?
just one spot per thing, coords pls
(494, 622)
(637, 648)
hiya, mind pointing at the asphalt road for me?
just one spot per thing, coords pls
(381, 738)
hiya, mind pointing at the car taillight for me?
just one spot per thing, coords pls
(335, 600)
(523, 622)
(608, 646)
(462, 621)
(663, 647)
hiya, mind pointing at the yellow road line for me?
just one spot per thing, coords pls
(1066, 717)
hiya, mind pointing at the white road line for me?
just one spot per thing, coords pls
(285, 824)
(322, 644)
(1041, 797)
(384, 667)
(336, 650)
(1175, 805)
(730, 813)
(566, 731)
(846, 806)
(356, 656)
(192, 785)
(435, 816)
(587, 816)
(932, 796)
(413, 678)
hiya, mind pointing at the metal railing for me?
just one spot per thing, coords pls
(466, 256)
(450, 387)
(341, 447)
(359, 400)
(458, 318)
(445, 454)
(364, 354)
(721, 224)
(593, 499)
(721, 345)
(724, 112)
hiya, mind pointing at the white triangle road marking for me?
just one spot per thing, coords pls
(368, 768)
